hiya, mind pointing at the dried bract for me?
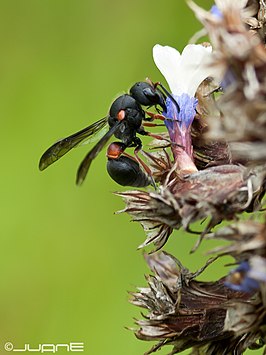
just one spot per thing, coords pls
(186, 313)
(240, 55)
(220, 192)
(248, 247)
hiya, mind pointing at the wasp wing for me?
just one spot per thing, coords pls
(86, 162)
(60, 148)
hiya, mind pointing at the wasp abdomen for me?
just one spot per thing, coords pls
(127, 172)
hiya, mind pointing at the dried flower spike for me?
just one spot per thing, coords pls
(215, 171)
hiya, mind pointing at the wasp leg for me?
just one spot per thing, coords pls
(149, 124)
(154, 116)
(142, 131)
(158, 116)
(157, 136)
(144, 165)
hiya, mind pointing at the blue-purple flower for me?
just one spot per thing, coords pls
(216, 12)
(248, 275)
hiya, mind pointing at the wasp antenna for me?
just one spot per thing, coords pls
(167, 93)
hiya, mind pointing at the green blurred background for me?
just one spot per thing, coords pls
(66, 260)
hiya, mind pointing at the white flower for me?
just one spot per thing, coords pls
(183, 72)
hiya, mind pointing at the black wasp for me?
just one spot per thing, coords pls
(125, 120)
